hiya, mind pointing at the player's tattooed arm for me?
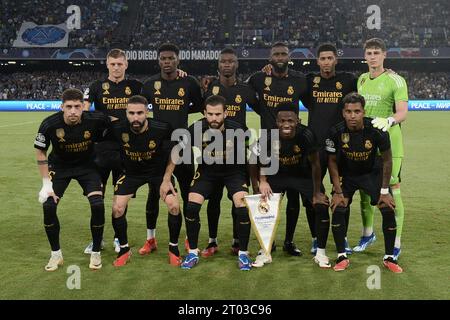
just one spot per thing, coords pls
(385, 197)
(338, 197)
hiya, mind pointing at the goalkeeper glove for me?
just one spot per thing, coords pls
(383, 123)
(47, 188)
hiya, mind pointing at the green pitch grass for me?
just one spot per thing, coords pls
(25, 250)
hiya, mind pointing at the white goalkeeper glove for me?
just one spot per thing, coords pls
(383, 123)
(47, 189)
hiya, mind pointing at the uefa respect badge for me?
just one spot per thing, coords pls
(264, 215)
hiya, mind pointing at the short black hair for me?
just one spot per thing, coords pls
(354, 97)
(137, 99)
(327, 47)
(72, 94)
(228, 50)
(215, 100)
(279, 44)
(375, 43)
(168, 47)
(287, 106)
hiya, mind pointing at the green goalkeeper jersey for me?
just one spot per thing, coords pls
(381, 94)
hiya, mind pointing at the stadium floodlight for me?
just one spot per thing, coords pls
(11, 62)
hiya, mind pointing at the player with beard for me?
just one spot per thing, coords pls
(237, 95)
(145, 143)
(281, 86)
(216, 168)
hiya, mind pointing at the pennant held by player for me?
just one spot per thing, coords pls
(264, 216)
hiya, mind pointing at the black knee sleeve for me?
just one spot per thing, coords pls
(51, 223)
(120, 226)
(97, 210)
(244, 227)
(389, 229)
(311, 217)
(97, 220)
(338, 228)
(174, 223)
(152, 209)
(322, 224)
(213, 213)
(292, 213)
(192, 219)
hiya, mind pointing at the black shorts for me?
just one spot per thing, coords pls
(88, 179)
(107, 155)
(370, 183)
(206, 182)
(129, 184)
(281, 183)
(217, 193)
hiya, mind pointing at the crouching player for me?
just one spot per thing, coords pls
(353, 147)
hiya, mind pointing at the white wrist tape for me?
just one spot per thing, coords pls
(47, 188)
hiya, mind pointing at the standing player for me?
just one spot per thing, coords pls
(238, 96)
(72, 134)
(326, 90)
(386, 95)
(353, 146)
(144, 145)
(283, 85)
(325, 93)
(299, 169)
(172, 98)
(110, 96)
(216, 168)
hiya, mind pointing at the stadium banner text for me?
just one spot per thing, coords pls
(54, 105)
(211, 54)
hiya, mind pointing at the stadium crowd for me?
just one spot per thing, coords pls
(50, 84)
(205, 23)
(99, 19)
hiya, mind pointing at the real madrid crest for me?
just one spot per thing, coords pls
(338, 85)
(263, 207)
(152, 144)
(316, 81)
(215, 90)
(290, 90)
(127, 90)
(238, 99)
(60, 134)
(267, 82)
(157, 86)
(368, 144)
(297, 149)
(105, 87)
(181, 92)
(87, 135)
(345, 137)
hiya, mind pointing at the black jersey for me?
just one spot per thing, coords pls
(324, 102)
(291, 154)
(237, 97)
(272, 91)
(112, 98)
(356, 151)
(172, 101)
(72, 146)
(144, 153)
(230, 154)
